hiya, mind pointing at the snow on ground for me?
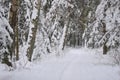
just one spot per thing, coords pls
(75, 64)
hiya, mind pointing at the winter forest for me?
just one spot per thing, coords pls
(59, 40)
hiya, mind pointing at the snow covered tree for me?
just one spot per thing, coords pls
(88, 19)
(33, 26)
(48, 26)
(82, 15)
(56, 20)
(23, 21)
(106, 28)
(62, 25)
(53, 19)
(13, 20)
(5, 38)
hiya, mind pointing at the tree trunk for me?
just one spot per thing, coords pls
(104, 45)
(34, 31)
(105, 49)
(64, 35)
(13, 20)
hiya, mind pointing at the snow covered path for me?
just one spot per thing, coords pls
(76, 64)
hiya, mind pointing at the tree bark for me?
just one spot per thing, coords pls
(13, 20)
(34, 32)
(105, 49)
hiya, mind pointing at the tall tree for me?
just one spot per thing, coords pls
(5, 38)
(105, 49)
(34, 27)
(13, 20)
(105, 28)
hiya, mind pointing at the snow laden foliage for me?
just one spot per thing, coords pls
(49, 26)
(5, 38)
(52, 25)
(42, 44)
(105, 30)
(107, 14)
(24, 21)
(25, 24)
(34, 24)
(87, 18)
(56, 19)
(62, 23)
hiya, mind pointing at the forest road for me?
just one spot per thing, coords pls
(75, 64)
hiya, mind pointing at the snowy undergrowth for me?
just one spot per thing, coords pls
(75, 64)
(115, 54)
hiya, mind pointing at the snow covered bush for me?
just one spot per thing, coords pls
(115, 53)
